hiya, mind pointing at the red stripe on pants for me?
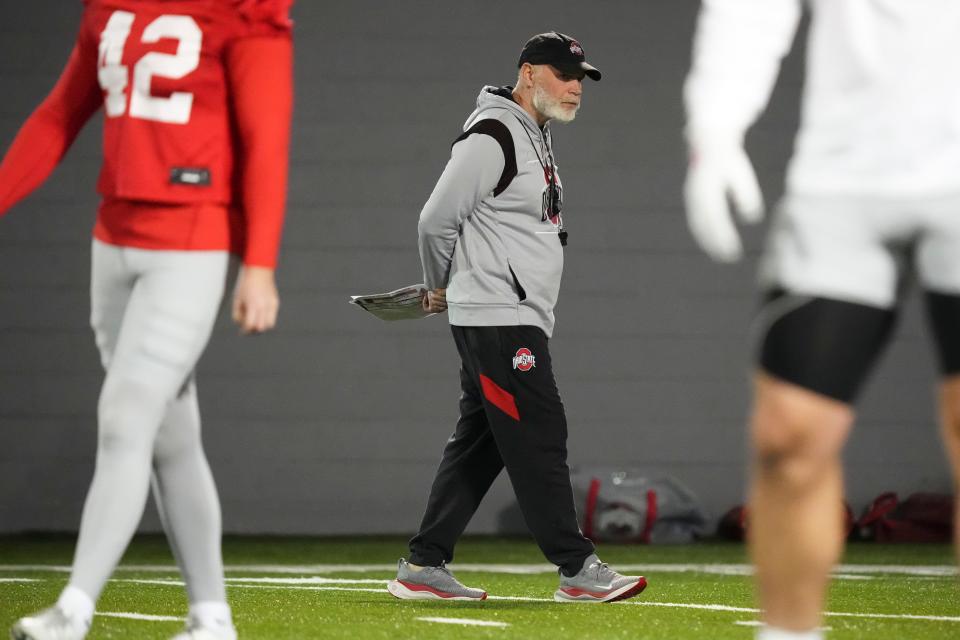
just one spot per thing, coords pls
(499, 397)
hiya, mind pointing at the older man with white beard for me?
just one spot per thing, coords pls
(491, 243)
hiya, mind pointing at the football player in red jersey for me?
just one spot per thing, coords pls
(197, 98)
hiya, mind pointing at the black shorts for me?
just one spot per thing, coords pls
(829, 346)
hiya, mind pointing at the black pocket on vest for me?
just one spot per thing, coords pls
(520, 291)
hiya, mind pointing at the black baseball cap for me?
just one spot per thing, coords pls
(558, 50)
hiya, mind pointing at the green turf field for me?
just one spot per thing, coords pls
(285, 588)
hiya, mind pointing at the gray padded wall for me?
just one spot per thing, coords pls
(335, 422)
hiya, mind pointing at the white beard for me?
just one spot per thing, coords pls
(550, 107)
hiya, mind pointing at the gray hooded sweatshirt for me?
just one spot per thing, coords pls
(485, 233)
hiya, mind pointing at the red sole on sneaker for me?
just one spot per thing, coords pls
(632, 591)
(578, 595)
(408, 591)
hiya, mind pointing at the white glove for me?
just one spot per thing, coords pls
(716, 171)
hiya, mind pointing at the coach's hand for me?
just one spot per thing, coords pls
(435, 301)
(255, 300)
(718, 171)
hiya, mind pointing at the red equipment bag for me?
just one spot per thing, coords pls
(922, 517)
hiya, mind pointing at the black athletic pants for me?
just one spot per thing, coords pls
(511, 416)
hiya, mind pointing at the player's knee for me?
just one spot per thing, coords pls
(796, 438)
(787, 462)
(129, 413)
(794, 469)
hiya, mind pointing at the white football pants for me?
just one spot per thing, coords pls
(152, 313)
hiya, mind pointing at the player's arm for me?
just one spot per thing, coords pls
(261, 80)
(475, 166)
(47, 134)
(737, 51)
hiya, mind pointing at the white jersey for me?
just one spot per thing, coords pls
(881, 108)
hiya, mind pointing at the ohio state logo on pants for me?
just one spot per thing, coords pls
(524, 360)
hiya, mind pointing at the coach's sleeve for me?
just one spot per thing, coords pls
(475, 167)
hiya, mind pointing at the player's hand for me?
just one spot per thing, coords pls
(255, 300)
(435, 301)
(719, 171)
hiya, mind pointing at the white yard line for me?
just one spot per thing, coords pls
(687, 605)
(892, 616)
(638, 603)
(526, 569)
(309, 588)
(277, 581)
(20, 580)
(465, 621)
(306, 581)
(138, 616)
(893, 569)
(330, 584)
(757, 623)
(164, 583)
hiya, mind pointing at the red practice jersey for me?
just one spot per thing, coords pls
(197, 96)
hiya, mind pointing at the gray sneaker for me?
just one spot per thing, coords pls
(49, 624)
(430, 583)
(597, 582)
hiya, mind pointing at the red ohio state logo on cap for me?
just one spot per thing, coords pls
(575, 48)
(524, 360)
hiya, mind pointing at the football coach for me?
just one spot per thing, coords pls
(491, 242)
